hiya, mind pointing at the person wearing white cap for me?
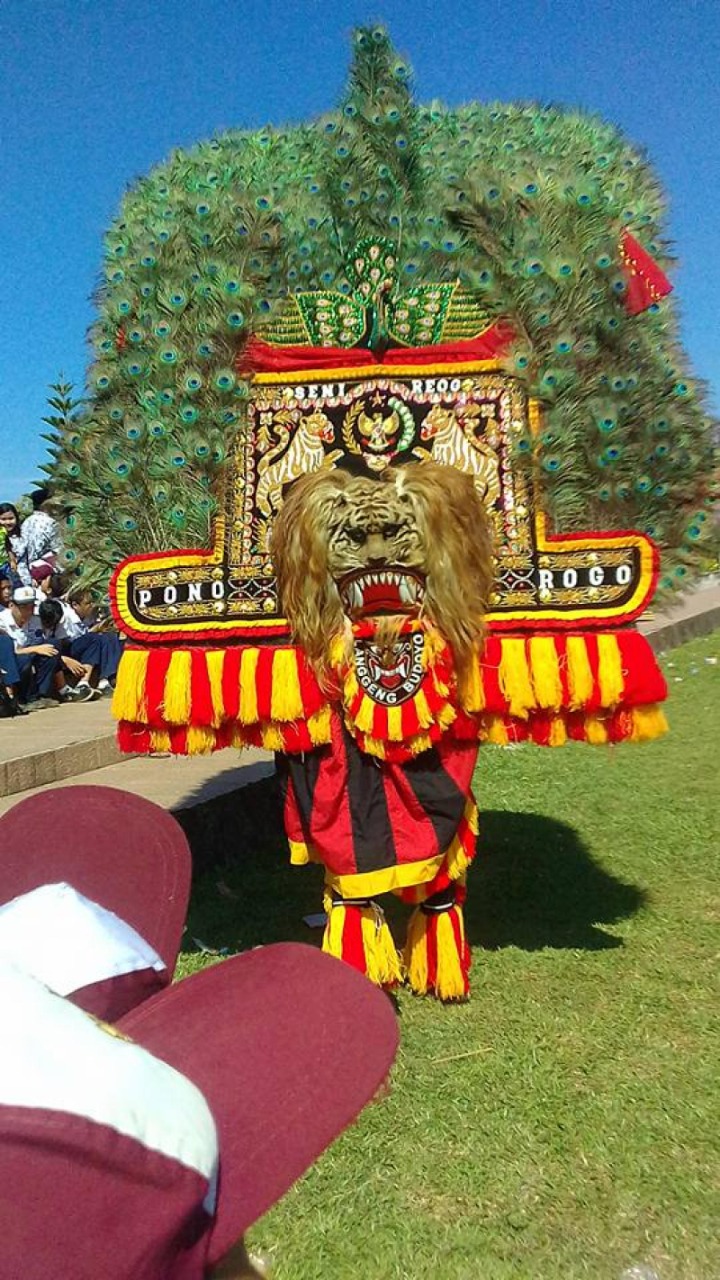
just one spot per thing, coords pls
(38, 662)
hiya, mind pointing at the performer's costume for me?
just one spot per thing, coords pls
(377, 718)
(353, 621)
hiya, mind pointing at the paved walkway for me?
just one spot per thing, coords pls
(178, 782)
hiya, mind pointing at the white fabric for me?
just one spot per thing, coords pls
(22, 636)
(66, 941)
(56, 1057)
(72, 625)
(19, 549)
(42, 536)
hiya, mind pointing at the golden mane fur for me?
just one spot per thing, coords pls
(446, 533)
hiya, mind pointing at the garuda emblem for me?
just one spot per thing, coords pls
(378, 429)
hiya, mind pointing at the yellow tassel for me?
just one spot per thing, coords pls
(545, 672)
(365, 715)
(450, 983)
(446, 716)
(394, 717)
(381, 958)
(595, 731)
(421, 742)
(515, 677)
(350, 687)
(272, 737)
(472, 690)
(286, 699)
(580, 678)
(457, 860)
(376, 747)
(457, 857)
(610, 672)
(495, 731)
(415, 954)
(129, 697)
(215, 659)
(248, 712)
(558, 733)
(333, 935)
(434, 645)
(422, 710)
(159, 740)
(338, 650)
(319, 727)
(177, 701)
(648, 722)
(200, 740)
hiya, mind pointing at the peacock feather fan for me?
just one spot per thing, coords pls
(523, 205)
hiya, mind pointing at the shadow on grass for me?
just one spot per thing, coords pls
(533, 883)
(245, 892)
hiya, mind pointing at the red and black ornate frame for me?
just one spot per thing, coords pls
(469, 414)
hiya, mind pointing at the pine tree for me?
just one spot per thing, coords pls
(523, 204)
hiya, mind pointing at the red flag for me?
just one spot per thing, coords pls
(646, 283)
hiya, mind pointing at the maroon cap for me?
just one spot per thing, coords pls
(120, 851)
(287, 1045)
(39, 572)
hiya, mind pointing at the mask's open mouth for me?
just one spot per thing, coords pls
(393, 590)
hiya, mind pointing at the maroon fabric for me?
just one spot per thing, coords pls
(81, 1201)
(287, 1045)
(39, 572)
(114, 997)
(119, 850)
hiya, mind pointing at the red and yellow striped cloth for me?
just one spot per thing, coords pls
(543, 688)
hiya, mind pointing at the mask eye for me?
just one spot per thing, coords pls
(391, 531)
(356, 536)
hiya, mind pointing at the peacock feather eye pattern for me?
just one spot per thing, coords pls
(517, 205)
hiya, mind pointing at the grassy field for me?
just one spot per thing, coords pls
(563, 1123)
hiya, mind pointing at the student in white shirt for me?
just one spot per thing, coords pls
(51, 615)
(38, 661)
(90, 642)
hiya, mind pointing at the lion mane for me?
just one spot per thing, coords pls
(436, 524)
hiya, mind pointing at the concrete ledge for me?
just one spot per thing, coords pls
(697, 615)
(37, 769)
(672, 634)
(177, 783)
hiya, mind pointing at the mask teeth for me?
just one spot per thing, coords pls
(409, 589)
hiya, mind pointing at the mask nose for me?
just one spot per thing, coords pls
(376, 549)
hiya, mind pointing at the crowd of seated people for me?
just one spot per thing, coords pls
(54, 649)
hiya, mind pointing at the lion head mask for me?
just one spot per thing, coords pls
(413, 541)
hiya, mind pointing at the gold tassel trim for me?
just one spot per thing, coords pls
(128, 701)
(515, 679)
(544, 688)
(610, 672)
(178, 701)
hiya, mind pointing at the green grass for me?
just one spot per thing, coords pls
(561, 1124)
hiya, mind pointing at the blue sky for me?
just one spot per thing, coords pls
(93, 93)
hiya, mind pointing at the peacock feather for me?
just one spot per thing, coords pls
(514, 209)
